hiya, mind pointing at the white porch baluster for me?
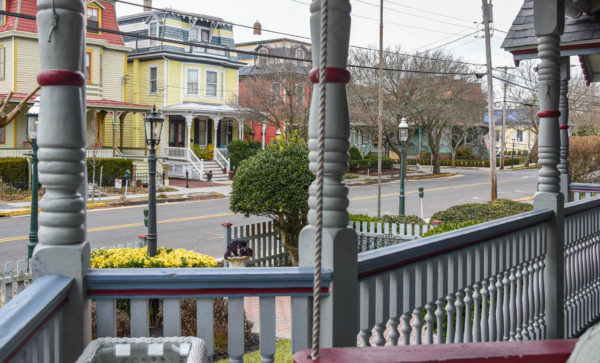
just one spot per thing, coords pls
(563, 106)
(189, 119)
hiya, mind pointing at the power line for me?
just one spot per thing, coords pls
(416, 15)
(213, 47)
(427, 11)
(453, 41)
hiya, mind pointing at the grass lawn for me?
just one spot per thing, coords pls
(283, 354)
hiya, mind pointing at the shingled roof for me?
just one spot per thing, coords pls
(522, 42)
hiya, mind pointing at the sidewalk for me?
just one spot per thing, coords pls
(197, 189)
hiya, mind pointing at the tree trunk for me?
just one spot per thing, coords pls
(532, 154)
(436, 162)
(290, 247)
(453, 158)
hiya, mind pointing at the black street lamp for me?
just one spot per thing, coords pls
(153, 126)
(402, 138)
(32, 129)
(512, 159)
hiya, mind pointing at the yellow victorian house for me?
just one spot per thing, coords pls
(108, 132)
(194, 87)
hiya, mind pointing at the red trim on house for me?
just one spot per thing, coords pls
(544, 351)
(549, 114)
(36, 330)
(59, 77)
(334, 75)
(564, 127)
(215, 291)
(563, 47)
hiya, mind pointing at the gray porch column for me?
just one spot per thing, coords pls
(62, 247)
(339, 311)
(263, 130)
(241, 130)
(563, 166)
(549, 24)
(188, 122)
(216, 122)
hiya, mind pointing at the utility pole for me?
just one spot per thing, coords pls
(487, 7)
(503, 142)
(380, 110)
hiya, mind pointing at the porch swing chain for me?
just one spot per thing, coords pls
(320, 172)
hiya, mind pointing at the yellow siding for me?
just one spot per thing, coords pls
(174, 83)
(113, 74)
(28, 64)
(9, 133)
(231, 85)
(6, 85)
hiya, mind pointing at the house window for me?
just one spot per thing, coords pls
(276, 90)
(202, 134)
(211, 84)
(100, 69)
(300, 94)
(153, 80)
(3, 135)
(519, 135)
(2, 62)
(192, 81)
(205, 35)
(3, 17)
(93, 19)
(88, 67)
(194, 33)
(300, 55)
(152, 32)
(262, 60)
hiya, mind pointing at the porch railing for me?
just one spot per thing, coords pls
(13, 279)
(479, 284)
(140, 285)
(177, 153)
(221, 159)
(582, 265)
(583, 190)
(196, 164)
(31, 323)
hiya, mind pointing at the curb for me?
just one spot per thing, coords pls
(27, 211)
(412, 177)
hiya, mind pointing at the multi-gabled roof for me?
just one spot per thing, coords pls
(581, 38)
(29, 7)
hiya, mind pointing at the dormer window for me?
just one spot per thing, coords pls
(205, 35)
(93, 19)
(153, 32)
(262, 60)
(300, 55)
(199, 34)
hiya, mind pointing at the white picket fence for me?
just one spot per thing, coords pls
(14, 277)
(373, 235)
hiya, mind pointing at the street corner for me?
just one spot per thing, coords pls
(14, 213)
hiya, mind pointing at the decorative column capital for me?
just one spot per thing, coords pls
(549, 17)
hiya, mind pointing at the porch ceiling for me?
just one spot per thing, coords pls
(202, 109)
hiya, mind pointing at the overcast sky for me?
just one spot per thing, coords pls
(411, 24)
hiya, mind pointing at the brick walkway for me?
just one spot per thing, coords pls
(283, 315)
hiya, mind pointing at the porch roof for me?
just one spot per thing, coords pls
(202, 109)
(581, 37)
(101, 103)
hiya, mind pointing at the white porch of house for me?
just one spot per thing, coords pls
(503, 285)
(206, 128)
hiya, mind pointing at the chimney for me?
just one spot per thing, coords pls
(147, 5)
(257, 28)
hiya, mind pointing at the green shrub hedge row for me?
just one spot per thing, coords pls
(386, 163)
(483, 212)
(240, 150)
(447, 227)
(14, 170)
(354, 153)
(111, 168)
(412, 219)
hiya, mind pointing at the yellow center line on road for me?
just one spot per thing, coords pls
(130, 225)
(436, 189)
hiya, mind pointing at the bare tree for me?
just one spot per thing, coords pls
(7, 117)
(278, 92)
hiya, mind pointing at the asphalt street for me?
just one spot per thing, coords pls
(196, 225)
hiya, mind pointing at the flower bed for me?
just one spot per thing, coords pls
(137, 257)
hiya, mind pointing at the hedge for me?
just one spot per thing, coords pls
(410, 219)
(447, 227)
(111, 168)
(241, 150)
(354, 153)
(386, 163)
(483, 212)
(14, 170)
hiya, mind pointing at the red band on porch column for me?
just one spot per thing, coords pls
(548, 114)
(334, 75)
(56, 77)
(564, 127)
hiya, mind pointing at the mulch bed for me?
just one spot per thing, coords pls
(192, 183)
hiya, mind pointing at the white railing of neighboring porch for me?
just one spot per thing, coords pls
(221, 159)
(583, 190)
(197, 164)
(194, 166)
(99, 153)
(176, 153)
(15, 153)
(14, 277)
